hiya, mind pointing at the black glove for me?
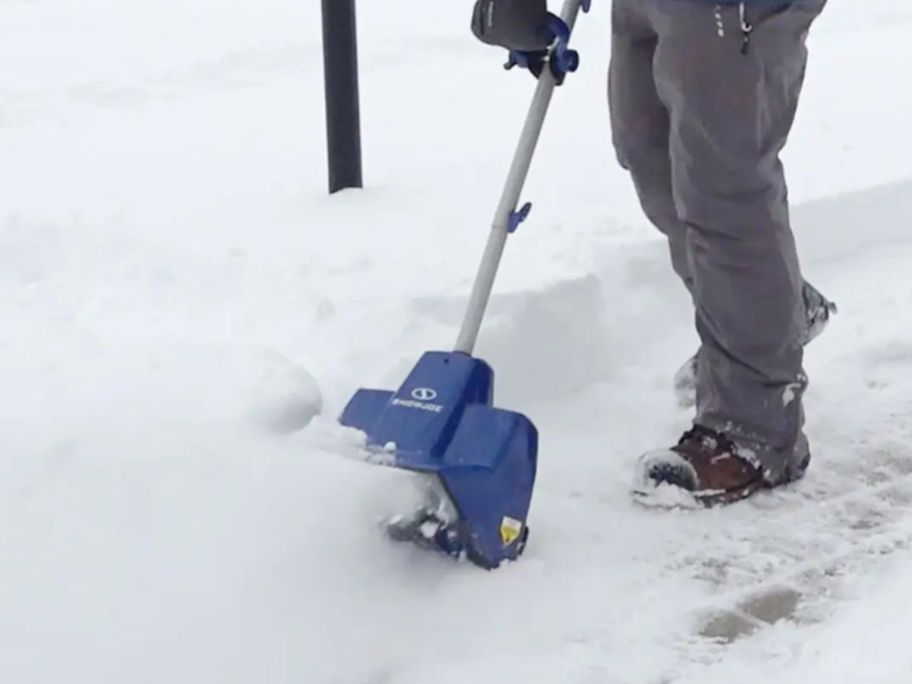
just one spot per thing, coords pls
(513, 24)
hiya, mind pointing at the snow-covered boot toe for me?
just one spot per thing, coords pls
(705, 464)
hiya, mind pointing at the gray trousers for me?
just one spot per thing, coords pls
(702, 101)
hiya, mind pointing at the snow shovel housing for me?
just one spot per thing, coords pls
(441, 422)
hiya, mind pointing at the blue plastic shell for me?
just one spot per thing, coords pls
(441, 420)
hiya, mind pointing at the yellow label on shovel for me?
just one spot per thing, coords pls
(509, 530)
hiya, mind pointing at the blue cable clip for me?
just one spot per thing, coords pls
(562, 59)
(518, 216)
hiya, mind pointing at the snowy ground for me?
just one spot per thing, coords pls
(178, 295)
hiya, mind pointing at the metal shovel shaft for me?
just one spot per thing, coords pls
(519, 169)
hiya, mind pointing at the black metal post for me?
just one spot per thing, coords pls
(340, 67)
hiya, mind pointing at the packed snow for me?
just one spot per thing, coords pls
(184, 311)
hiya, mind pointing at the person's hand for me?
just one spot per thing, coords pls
(514, 24)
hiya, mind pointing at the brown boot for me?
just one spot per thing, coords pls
(704, 463)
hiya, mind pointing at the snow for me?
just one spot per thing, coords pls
(179, 297)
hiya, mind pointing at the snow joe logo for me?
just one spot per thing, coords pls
(424, 394)
(422, 399)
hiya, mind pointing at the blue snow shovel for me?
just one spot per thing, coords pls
(479, 460)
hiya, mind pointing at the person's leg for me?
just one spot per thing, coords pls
(640, 125)
(731, 110)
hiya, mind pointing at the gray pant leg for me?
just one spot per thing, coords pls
(641, 128)
(730, 115)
